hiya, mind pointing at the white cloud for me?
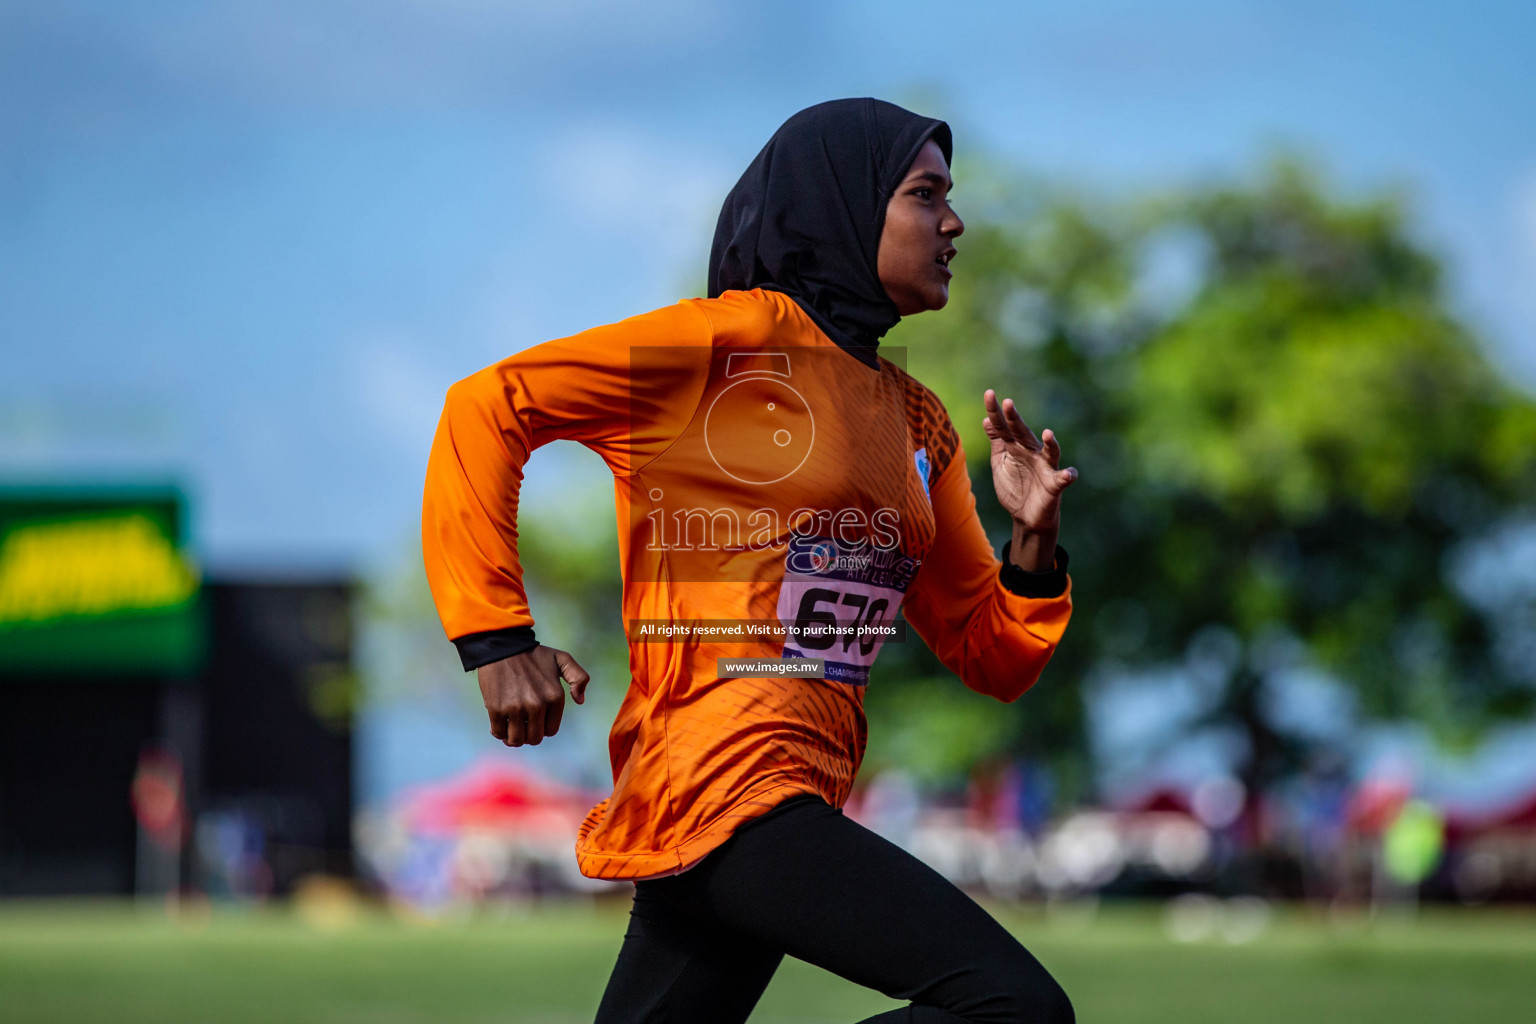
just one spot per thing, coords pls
(400, 393)
(626, 180)
(1525, 222)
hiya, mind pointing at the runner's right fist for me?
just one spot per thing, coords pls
(523, 695)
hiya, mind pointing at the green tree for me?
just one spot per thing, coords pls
(1279, 458)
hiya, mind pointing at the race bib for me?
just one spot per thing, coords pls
(840, 603)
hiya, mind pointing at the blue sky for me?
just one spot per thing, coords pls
(249, 246)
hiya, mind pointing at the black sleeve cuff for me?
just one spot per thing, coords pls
(1051, 583)
(476, 649)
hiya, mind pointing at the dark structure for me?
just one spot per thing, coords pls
(260, 734)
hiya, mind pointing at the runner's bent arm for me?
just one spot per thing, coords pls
(990, 622)
(625, 390)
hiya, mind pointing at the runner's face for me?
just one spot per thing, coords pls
(916, 246)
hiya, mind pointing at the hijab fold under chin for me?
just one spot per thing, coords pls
(806, 216)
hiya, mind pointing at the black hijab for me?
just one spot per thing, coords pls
(806, 216)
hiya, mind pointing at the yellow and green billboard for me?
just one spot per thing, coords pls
(97, 581)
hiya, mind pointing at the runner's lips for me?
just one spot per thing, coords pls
(942, 259)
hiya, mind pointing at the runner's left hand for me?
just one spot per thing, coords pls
(1025, 468)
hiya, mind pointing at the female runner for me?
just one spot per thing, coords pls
(781, 489)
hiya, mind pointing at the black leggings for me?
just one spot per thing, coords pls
(807, 881)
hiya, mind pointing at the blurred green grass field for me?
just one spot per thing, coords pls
(70, 962)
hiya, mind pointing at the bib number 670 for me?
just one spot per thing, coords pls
(816, 620)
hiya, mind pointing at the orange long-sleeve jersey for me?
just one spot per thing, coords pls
(763, 475)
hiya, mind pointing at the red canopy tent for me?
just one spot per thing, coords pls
(494, 796)
(1519, 816)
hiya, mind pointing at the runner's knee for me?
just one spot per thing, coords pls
(1052, 1005)
(1025, 994)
